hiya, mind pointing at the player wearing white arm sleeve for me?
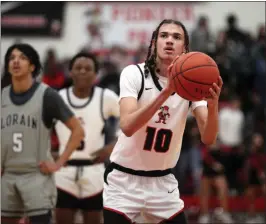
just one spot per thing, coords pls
(139, 186)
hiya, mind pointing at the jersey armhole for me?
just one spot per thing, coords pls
(142, 82)
(101, 105)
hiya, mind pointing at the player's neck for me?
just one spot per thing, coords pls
(81, 93)
(162, 68)
(22, 84)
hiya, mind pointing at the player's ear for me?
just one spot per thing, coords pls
(32, 68)
(70, 74)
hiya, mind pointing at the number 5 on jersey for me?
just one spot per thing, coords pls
(159, 140)
(17, 142)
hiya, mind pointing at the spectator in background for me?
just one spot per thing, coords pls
(140, 54)
(231, 120)
(220, 57)
(190, 157)
(201, 37)
(53, 71)
(232, 31)
(119, 56)
(109, 76)
(254, 119)
(256, 176)
(259, 64)
(214, 160)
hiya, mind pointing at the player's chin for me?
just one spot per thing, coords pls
(168, 58)
(19, 74)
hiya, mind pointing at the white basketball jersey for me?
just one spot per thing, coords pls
(92, 115)
(156, 146)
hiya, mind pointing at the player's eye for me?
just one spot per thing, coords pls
(163, 35)
(23, 57)
(177, 37)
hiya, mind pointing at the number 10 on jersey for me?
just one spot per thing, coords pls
(158, 139)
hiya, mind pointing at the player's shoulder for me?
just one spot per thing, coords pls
(133, 68)
(63, 92)
(107, 93)
(52, 94)
(5, 89)
(132, 71)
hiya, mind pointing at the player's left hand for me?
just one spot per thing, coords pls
(48, 167)
(101, 156)
(215, 92)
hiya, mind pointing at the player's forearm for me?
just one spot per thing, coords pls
(76, 137)
(211, 128)
(134, 121)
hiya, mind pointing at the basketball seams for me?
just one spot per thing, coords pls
(202, 83)
(186, 60)
(194, 68)
(186, 89)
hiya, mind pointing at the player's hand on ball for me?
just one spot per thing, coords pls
(48, 167)
(215, 92)
(171, 85)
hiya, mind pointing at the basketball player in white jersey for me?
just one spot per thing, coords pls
(80, 182)
(139, 186)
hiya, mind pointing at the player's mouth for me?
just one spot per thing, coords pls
(169, 50)
(16, 68)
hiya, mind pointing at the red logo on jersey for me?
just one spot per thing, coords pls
(164, 112)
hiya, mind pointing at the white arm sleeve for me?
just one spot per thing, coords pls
(196, 104)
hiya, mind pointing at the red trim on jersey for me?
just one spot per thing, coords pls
(118, 212)
(174, 215)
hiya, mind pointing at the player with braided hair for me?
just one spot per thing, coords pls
(139, 185)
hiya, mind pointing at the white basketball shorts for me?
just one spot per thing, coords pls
(81, 182)
(142, 199)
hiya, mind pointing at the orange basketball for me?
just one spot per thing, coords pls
(194, 74)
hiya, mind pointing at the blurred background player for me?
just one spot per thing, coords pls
(256, 177)
(80, 182)
(28, 111)
(213, 177)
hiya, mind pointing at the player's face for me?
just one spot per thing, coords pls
(170, 42)
(19, 64)
(83, 72)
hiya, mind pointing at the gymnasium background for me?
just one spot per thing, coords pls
(119, 34)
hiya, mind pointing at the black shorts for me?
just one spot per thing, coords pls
(253, 178)
(208, 171)
(66, 200)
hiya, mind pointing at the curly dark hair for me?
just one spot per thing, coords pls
(85, 55)
(31, 54)
(150, 62)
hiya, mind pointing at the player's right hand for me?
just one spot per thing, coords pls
(170, 88)
(48, 167)
(171, 85)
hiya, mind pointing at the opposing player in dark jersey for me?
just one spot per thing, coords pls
(139, 186)
(28, 111)
(80, 182)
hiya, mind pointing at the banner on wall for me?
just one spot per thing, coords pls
(32, 19)
(130, 23)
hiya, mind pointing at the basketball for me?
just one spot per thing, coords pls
(194, 74)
